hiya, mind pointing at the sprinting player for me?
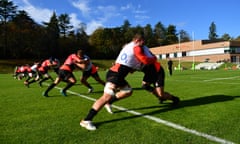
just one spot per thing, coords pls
(116, 86)
(65, 73)
(90, 70)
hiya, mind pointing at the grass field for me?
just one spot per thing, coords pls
(208, 113)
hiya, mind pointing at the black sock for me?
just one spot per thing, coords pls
(32, 81)
(113, 99)
(68, 86)
(89, 86)
(50, 87)
(43, 80)
(91, 114)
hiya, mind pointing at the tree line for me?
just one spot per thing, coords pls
(23, 38)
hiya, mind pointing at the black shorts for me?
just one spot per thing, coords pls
(153, 77)
(160, 78)
(89, 73)
(65, 75)
(150, 74)
(116, 78)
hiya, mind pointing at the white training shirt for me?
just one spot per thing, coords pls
(126, 57)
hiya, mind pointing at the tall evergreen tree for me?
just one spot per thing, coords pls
(171, 35)
(64, 24)
(212, 32)
(184, 36)
(53, 34)
(159, 34)
(7, 12)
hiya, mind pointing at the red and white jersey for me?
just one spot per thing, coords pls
(45, 66)
(24, 69)
(71, 59)
(149, 54)
(35, 67)
(127, 57)
(69, 63)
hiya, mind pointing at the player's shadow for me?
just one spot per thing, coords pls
(168, 106)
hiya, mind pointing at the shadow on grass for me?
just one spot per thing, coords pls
(167, 106)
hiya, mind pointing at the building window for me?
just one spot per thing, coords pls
(167, 55)
(227, 51)
(175, 55)
(184, 54)
(233, 58)
(160, 56)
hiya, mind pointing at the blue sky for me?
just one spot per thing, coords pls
(193, 16)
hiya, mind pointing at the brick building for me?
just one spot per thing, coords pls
(200, 51)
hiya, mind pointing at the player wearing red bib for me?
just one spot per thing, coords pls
(65, 73)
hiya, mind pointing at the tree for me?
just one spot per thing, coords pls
(64, 24)
(148, 34)
(126, 31)
(226, 36)
(159, 32)
(184, 36)
(82, 37)
(171, 35)
(238, 38)
(22, 31)
(52, 34)
(106, 42)
(7, 12)
(212, 32)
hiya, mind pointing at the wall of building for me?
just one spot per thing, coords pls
(198, 51)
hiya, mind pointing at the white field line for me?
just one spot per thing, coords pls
(161, 121)
(216, 79)
(204, 81)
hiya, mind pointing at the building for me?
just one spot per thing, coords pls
(200, 51)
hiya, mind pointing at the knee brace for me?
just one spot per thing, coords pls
(147, 87)
(109, 89)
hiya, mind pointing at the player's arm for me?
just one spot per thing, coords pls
(142, 57)
(81, 63)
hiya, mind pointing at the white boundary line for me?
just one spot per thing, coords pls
(158, 120)
(215, 79)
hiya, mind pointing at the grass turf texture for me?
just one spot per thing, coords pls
(209, 104)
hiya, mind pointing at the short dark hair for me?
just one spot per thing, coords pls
(80, 52)
(138, 36)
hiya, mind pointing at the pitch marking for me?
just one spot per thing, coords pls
(158, 120)
(215, 79)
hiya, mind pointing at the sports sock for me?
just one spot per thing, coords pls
(50, 87)
(68, 86)
(89, 86)
(32, 81)
(43, 80)
(91, 114)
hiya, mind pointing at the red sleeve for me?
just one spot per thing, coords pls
(142, 57)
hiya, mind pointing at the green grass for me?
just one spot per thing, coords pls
(209, 104)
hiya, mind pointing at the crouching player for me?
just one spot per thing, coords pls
(42, 70)
(65, 73)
